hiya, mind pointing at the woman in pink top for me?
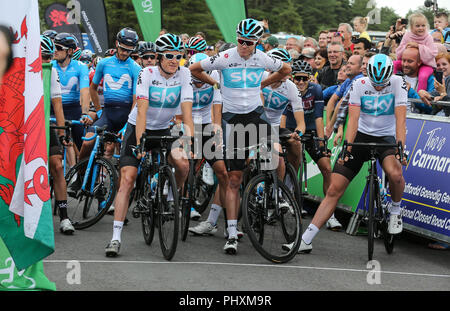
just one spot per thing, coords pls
(428, 51)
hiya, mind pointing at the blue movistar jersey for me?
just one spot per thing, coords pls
(119, 80)
(73, 78)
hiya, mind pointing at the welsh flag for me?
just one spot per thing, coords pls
(26, 225)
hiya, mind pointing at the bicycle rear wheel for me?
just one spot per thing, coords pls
(187, 202)
(291, 181)
(168, 213)
(371, 219)
(267, 225)
(86, 208)
(202, 192)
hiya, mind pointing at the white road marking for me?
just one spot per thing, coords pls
(250, 265)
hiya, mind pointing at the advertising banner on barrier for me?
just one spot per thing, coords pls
(426, 200)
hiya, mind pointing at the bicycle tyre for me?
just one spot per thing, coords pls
(292, 177)
(168, 218)
(371, 219)
(87, 220)
(187, 202)
(146, 209)
(255, 219)
(388, 239)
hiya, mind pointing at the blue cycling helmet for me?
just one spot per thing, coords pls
(128, 37)
(250, 28)
(47, 45)
(76, 54)
(169, 42)
(196, 43)
(67, 40)
(280, 54)
(380, 69)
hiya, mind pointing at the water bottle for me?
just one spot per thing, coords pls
(153, 183)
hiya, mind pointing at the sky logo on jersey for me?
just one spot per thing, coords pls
(242, 78)
(109, 82)
(164, 97)
(274, 100)
(202, 98)
(378, 105)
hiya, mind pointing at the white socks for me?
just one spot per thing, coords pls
(310, 233)
(214, 214)
(117, 230)
(395, 208)
(232, 228)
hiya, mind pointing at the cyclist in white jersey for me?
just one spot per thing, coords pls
(160, 91)
(377, 113)
(241, 71)
(277, 97)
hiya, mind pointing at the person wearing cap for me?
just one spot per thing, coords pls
(270, 43)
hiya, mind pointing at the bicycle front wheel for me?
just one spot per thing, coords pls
(269, 227)
(371, 219)
(86, 207)
(168, 212)
(187, 202)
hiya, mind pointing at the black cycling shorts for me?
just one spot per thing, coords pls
(55, 145)
(114, 118)
(255, 126)
(361, 154)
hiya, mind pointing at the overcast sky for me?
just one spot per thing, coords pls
(401, 7)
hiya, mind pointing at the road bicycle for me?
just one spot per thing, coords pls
(92, 183)
(375, 214)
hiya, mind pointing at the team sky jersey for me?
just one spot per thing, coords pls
(276, 100)
(377, 116)
(55, 86)
(312, 107)
(164, 96)
(73, 78)
(204, 97)
(240, 81)
(119, 80)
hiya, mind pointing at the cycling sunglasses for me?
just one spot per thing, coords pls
(146, 57)
(246, 42)
(301, 78)
(172, 56)
(126, 49)
(134, 57)
(60, 47)
(192, 52)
